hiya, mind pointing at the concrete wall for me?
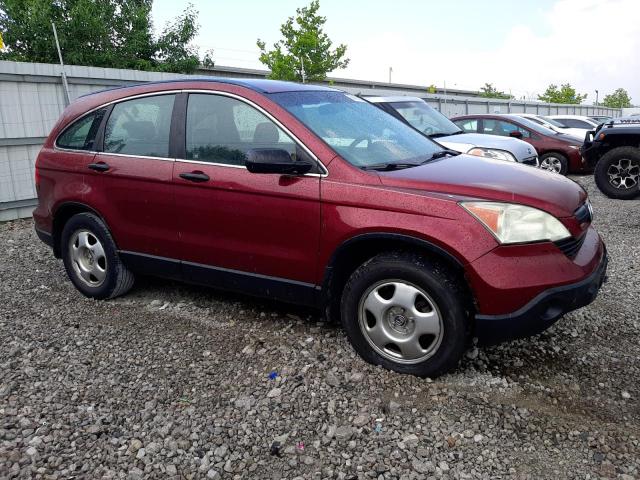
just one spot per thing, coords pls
(32, 98)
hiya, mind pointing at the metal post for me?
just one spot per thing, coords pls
(64, 75)
(445, 97)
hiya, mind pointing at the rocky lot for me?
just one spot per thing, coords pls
(175, 381)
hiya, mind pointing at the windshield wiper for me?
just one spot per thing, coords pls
(442, 153)
(386, 167)
(444, 134)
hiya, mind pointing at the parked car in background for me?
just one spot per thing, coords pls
(557, 152)
(614, 149)
(600, 118)
(551, 124)
(427, 120)
(306, 194)
(575, 121)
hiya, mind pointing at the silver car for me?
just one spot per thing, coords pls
(428, 121)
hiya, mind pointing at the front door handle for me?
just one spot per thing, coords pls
(195, 176)
(99, 167)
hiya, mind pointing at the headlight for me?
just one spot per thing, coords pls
(513, 223)
(491, 153)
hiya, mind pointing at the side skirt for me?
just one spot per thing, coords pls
(254, 284)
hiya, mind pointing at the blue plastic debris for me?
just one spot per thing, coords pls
(273, 375)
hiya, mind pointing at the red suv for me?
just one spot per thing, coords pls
(309, 195)
(557, 152)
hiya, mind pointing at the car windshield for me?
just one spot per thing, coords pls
(359, 132)
(553, 122)
(425, 119)
(526, 122)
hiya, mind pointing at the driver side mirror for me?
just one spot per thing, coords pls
(275, 160)
(515, 134)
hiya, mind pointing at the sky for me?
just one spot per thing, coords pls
(519, 46)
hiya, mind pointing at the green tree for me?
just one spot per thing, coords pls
(618, 99)
(99, 33)
(565, 94)
(305, 48)
(489, 91)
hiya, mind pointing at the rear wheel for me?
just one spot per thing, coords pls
(554, 162)
(91, 258)
(407, 313)
(617, 173)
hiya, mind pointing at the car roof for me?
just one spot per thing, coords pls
(396, 99)
(260, 85)
(576, 117)
(510, 116)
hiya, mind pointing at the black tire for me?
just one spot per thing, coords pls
(626, 189)
(117, 280)
(564, 162)
(445, 290)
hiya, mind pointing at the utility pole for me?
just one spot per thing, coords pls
(65, 85)
(596, 98)
(304, 79)
(390, 70)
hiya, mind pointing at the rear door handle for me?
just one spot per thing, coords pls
(99, 167)
(195, 176)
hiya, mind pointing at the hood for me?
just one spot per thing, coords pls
(573, 139)
(496, 180)
(467, 141)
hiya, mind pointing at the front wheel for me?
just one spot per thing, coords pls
(617, 173)
(554, 162)
(91, 258)
(407, 313)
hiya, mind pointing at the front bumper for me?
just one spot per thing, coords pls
(541, 312)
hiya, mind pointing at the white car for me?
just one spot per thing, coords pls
(551, 124)
(418, 114)
(576, 121)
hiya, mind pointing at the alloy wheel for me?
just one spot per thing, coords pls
(400, 321)
(552, 164)
(624, 174)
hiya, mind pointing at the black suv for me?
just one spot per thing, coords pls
(614, 149)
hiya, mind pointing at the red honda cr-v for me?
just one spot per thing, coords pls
(309, 195)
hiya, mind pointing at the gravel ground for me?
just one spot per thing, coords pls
(185, 382)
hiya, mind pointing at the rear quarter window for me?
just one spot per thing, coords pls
(81, 134)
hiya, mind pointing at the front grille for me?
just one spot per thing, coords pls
(570, 246)
(533, 161)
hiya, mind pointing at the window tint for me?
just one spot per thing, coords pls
(498, 127)
(222, 129)
(140, 127)
(81, 135)
(575, 123)
(469, 126)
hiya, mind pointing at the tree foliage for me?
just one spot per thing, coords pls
(304, 48)
(99, 33)
(618, 99)
(565, 94)
(489, 91)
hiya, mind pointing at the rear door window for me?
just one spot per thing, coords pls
(81, 134)
(140, 127)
